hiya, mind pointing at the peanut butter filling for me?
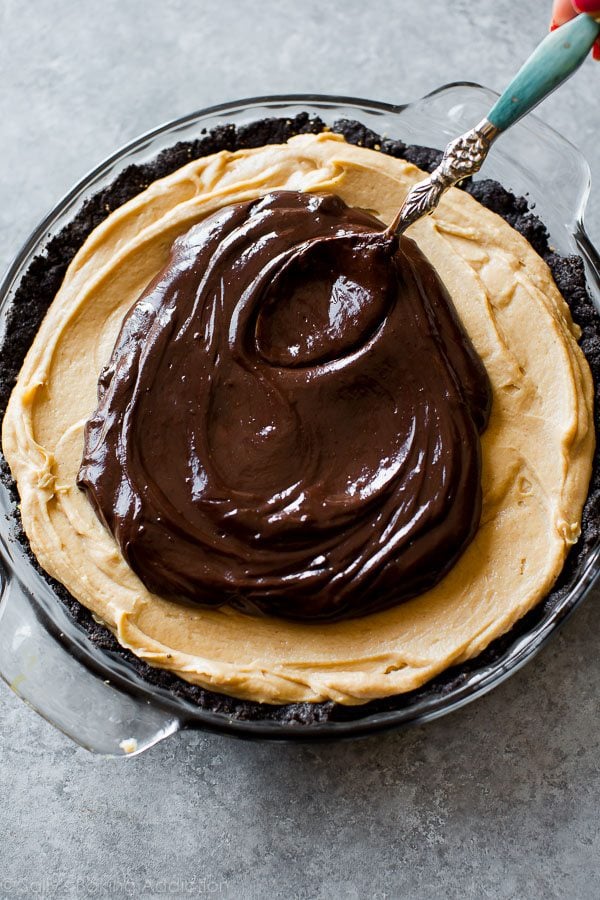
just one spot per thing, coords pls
(536, 450)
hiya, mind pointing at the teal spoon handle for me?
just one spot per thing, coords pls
(557, 57)
(551, 63)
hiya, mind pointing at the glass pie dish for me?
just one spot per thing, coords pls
(97, 698)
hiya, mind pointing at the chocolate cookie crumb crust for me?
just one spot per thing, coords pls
(42, 280)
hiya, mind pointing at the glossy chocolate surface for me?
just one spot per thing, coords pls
(289, 420)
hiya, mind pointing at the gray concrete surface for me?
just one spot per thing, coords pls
(499, 800)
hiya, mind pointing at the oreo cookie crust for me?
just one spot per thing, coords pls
(42, 281)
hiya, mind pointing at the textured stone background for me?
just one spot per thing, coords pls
(499, 800)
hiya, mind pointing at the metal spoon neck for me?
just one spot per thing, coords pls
(462, 158)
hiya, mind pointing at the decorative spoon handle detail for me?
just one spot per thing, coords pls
(551, 63)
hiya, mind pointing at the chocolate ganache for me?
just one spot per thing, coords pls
(289, 421)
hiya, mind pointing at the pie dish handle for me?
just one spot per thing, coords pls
(81, 703)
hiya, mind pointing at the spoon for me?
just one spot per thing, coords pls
(551, 63)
